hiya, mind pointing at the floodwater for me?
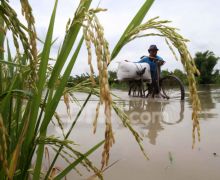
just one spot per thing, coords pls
(166, 129)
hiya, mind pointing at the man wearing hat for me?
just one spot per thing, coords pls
(152, 59)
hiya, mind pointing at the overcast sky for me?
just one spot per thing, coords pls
(198, 20)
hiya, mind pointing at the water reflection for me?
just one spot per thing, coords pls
(207, 97)
(152, 115)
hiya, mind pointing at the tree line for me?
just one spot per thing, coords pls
(205, 62)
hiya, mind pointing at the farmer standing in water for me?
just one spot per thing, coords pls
(152, 59)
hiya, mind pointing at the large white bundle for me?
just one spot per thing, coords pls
(128, 70)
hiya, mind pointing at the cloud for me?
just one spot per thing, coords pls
(197, 19)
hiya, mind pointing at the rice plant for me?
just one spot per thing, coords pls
(30, 89)
(25, 110)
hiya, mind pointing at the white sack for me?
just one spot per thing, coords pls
(128, 70)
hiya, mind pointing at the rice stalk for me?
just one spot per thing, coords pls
(16, 152)
(66, 48)
(2, 39)
(85, 163)
(59, 121)
(79, 160)
(63, 156)
(54, 140)
(67, 135)
(95, 176)
(3, 146)
(125, 120)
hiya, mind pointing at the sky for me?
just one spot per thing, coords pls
(198, 21)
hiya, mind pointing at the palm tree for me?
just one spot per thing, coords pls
(205, 62)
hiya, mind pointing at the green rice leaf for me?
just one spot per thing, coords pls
(42, 78)
(51, 107)
(43, 68)
(75, 163)
(67, 135)
(134, 23)
(11, 63)
(69, 41)
(11, 68)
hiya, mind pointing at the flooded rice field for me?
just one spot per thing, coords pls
(166, 129)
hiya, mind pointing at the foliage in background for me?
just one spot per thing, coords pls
(74, 80)
(112, 77)
(205, 62)
(178, 73)
(116, 84)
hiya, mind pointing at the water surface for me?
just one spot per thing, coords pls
(166, 129)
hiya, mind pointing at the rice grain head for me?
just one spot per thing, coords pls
(94, 35)
(173, 37)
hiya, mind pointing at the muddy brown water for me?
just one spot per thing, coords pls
(166, 129)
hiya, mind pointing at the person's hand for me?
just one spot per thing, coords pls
(162, 62)
(154, 59)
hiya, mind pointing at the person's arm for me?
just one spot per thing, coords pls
(142, 60)
(160, 61)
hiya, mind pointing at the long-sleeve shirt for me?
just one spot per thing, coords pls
(153, 66)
